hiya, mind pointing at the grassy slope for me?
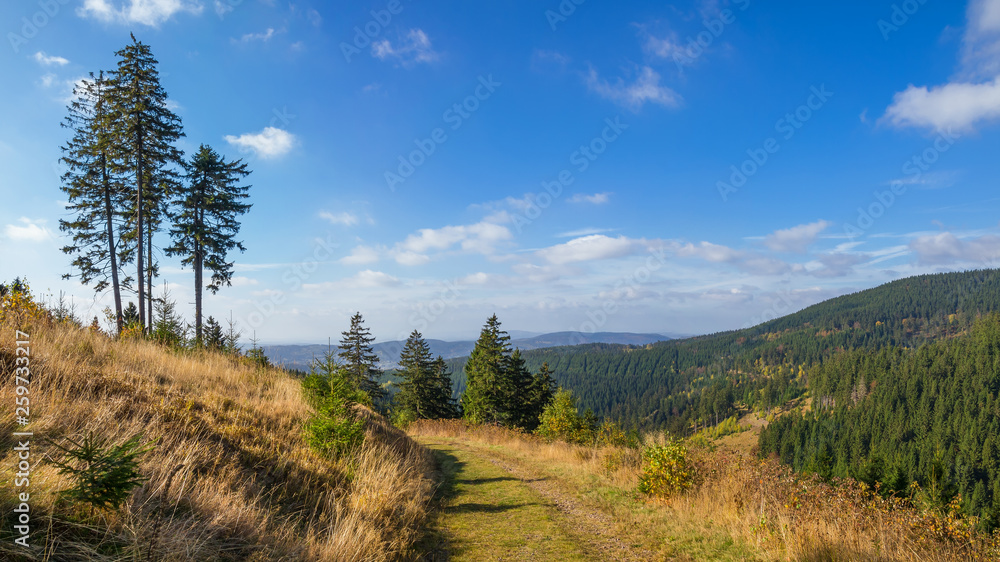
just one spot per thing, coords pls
(230, 478)
(743, 509)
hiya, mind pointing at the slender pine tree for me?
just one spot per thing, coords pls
(95, 191)
(360, 359)
(205, 223)
(146, 130)
(425, 392)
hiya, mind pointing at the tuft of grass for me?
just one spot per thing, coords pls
(231, 477)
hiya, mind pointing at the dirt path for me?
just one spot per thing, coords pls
(498, 509)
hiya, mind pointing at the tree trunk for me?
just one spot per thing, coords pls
(139, 231)
(149, 271)
(198, 284)
(111, 246)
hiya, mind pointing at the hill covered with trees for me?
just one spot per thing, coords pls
(681, 384)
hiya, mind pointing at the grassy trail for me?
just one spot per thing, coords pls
(492, 511)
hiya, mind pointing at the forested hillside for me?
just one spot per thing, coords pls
(679, 383)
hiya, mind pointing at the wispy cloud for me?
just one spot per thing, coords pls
(344, 218)
(28, 230)
(584, 232)
(46, 60)
(596, 198)
(146, 12)
(414, 47)
(796, 239)
(644, 89)
(263, 36)
(588, 248)
(269, 143)
(946, 248)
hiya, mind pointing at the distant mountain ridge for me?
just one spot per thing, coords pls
(300, 356)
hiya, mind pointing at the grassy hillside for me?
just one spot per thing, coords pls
(230, 477)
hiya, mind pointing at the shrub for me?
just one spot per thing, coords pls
(666, 470)
(562, 420)
(104, 476)
(335, 428)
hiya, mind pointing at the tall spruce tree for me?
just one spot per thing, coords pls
(445, 389)
(539, 394)
(488, 388)
(146, 130)
(360, 360)
(95, 191)
(205, 223)
(425, 392)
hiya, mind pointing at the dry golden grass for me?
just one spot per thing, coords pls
(230, 478)
(764, 511)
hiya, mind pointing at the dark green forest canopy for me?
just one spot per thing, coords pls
(664, 385)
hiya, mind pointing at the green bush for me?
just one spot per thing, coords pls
(666, 470)
(562, 420)
(334, 428)
(104, 476)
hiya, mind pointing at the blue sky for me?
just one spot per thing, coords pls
(680, 167)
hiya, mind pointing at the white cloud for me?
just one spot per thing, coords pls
(584, 232)
(475, 279)
(243, 282)
(269, 143)
(411, 258)
(361, 255)
(46, 60)
(972, 97)
(345, 218)
(796, 239)
(367, 279)
(710, 252)
(745, 261)
(645, 88)
(837, 264)
(415, 47)
(146, 12)
(946, 248)
(596, 199)
(957, 106)
(262, 37)
(314, 17)
(588, 248)
(28, 231)
(481, 237)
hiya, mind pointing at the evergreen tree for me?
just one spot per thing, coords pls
(425, 392)
(145, 130)
(443, 386)
(360, 360)
(540, 392)
(95, 191)
(131, 314)
(487, 394)
(214, 337)
(205, 225)
(518, 380)
(168, 327)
